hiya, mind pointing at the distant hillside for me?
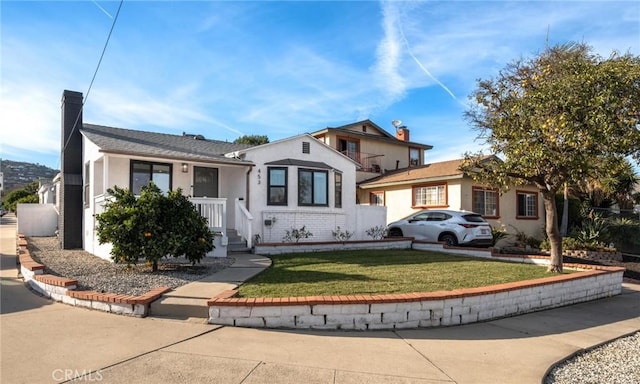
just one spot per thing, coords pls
(17, 174)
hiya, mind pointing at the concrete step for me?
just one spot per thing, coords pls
(190, 300)
(181, 308)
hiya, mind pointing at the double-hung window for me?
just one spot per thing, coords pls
(527, 205)
(277, 181)
(485, 201)
(143, 171)
(430, 196)
(313, 187)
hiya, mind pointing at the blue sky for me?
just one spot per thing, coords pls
(280, 68)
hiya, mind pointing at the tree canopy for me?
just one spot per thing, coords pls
(26, 194)
(252, 139)
(153, 226)
(563, 116)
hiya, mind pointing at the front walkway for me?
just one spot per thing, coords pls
(189, 302)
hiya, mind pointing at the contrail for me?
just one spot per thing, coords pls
(406, 42)
(102, 9)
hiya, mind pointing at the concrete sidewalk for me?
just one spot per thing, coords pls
(47, 342)
(189, 302)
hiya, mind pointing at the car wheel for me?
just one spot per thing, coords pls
(449, 239)
(395, 232)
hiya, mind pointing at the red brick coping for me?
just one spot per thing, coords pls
(63, 289)
(145, 298)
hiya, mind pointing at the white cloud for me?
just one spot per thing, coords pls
(389, 55)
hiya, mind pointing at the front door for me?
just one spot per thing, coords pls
(205, 182)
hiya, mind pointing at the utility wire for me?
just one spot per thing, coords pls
(95, 73)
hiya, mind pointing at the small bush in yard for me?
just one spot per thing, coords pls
(497, 234)
(340, 235)
(296, 234)
(152, 226)
(377, 232)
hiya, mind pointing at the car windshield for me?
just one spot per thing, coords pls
(474, 218)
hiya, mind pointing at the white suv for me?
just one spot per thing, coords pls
(451, 227)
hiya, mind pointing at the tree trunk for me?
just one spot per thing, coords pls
(154, 266)
(552, 232)
(564, 225)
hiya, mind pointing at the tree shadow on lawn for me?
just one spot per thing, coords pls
(303, 276)
(375, 258)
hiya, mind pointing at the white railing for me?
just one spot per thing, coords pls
(214, 210)
(244, 222)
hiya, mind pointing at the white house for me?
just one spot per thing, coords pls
(258, 192)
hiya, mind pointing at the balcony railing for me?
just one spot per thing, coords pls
(370, 162)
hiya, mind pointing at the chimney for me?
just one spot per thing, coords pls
(402, 133)
(71, 206)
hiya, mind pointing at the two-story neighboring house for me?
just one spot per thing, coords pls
(376, 150)
(395, 174)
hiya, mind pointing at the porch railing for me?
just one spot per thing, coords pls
(370, 162)
(244, 221)
(214, 210)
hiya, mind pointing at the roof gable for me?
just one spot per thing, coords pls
(266, 146)
(355, 130)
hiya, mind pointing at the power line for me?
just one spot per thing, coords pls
(95, 73)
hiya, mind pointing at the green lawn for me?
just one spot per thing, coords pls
(380, 272)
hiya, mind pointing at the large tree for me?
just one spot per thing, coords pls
(559, 117)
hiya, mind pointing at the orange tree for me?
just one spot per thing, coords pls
(560, 117)
(152, 226)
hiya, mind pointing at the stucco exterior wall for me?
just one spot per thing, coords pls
(319, 220)
(508, 208)
(398, 199)
(109, 170)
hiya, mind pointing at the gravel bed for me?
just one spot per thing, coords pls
(96, 274)
(617, 362)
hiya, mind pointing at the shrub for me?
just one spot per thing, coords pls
(376, 233)
(522, 239)
(624, 233)
(571, 243)
(296, 234)
(497, 234)
(152, 226)
(594, 231)
(340, 235)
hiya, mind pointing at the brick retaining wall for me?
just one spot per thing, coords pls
(417, 310)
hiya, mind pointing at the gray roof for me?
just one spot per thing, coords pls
(162, 145)
(300, 163)
(345, 130)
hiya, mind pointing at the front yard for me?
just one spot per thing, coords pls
(380, 272)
